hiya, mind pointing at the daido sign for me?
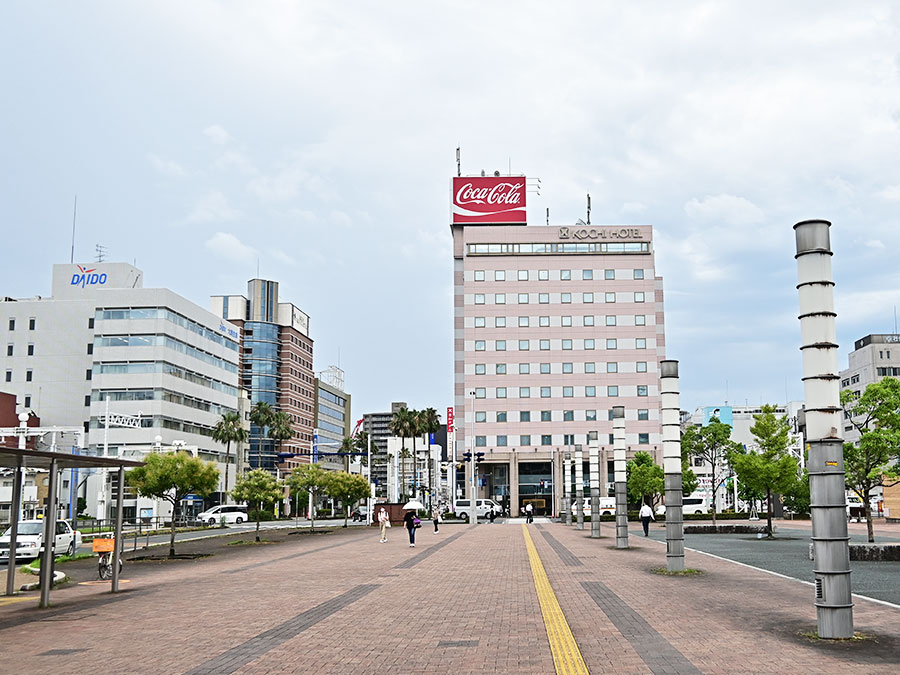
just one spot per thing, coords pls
(87, 277)
(493, 199)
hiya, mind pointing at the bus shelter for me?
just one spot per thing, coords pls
(20, 459)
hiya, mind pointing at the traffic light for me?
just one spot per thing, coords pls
(467, 456)
(479, 457)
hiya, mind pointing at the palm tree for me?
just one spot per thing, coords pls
(229, 428)
(401, 425)
(429, 423)
(280, 428)
(261, 416)
(348, 446)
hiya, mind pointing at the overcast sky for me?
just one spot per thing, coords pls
(318, 139)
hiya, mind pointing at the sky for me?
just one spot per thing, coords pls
(315, 142)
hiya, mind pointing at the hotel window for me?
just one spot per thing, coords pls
(590, 391)
(479, 298)
(611, 441)
(523, 345)
(524, 415)
(567, 345)
(587, 297)
(546, 416)
(501, 416)
(590, 367)
(479, 345)
(9, 350)
(610, 320)
(480, 416)
(640, 343)
(641, 366)
(543, 275)
(643, 439)
(545, 392)
(642, 390)
(565, 275)
(523, 298)
(588, 320)
(499, 322)
(587, 274)
(565, 298)
(589, 343)
(501, 369)
(30, 350)
(612, 367)
(523, 275)
(30, 324)
(27, 401)
(565, 321)
(568, 439)
(546, 439)
(500, 298)
(12, 324)
(501, 392)
(479, 322)
(567, 368)
(479, 392)
(524, 392)
(501, 441)
(609, 297)
(568, 392)
(29, 373)
(545, 369)
(590, 415)
(91, 322)
(481, 441)
(524, 368)
(544, 298)
(544, 321)
(523, 322)
(479, 369)
(609, 275)
(479, 275)
(9, 376)
(639, 296)
(643, 414)
(639, 274)
(640, 320)
(568, 415)
(500, 346)
(611, 343)
(545, 345)
(612, 390)
(499, 275)
(525, 439)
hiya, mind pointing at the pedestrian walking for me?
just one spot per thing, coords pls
(492, 515)
(384, 520)
(646, 514)
(529, 513)
(435, 517)
(411, 522)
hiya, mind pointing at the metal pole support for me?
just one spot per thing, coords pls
(618, 413)
(594, 475)
(567, 491)
(579, 486)
(671, 439)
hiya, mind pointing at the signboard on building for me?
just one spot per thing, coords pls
(488, 200)
(722, 412)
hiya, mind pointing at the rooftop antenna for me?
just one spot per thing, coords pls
(589, 208)
(458, 165)
(74, 212)
(100, 253)
(548, 216)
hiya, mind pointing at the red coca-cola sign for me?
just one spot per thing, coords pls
(491, 199)
(449, 418)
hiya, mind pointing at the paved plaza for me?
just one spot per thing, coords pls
(485, 599)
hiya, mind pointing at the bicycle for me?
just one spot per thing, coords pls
(105, 548)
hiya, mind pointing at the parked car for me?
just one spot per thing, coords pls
(30, 540)
(482, 508)
(360, 514)
(607, 506)
(694, 505)
(229, 513)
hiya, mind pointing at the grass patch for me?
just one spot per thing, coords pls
(813, 636)
(36, 563)
(687, 572)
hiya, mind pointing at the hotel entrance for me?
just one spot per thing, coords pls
(536, 487)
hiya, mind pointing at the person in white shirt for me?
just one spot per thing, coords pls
(529, 513)
(646, 515)
(384, 522)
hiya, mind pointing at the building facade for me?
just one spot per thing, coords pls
(377, 425)
(874, 357)
(332, 421)
(553, 327)
(276, 367)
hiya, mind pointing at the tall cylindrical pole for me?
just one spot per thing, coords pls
(834, 607)
(594, 475)
(567, 486)
(671, 440)
(579, 486)
(117, 536)
(49, 551)
(618, 413)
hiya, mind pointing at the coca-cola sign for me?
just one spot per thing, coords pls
(492, 199)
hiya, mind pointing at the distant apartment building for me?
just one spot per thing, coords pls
(377, 425)
(333, 421)
(874, 357)
(276, 366)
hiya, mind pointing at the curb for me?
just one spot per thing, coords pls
(58, 578)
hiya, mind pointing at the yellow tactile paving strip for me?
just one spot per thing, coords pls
(566, 656)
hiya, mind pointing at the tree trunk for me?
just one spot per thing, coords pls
(227, 462)
(346, 511)
(769, 513)
(257, 522)
(172, 533)
(870, 529)
(714, 491)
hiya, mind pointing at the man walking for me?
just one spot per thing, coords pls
(646, 515)
(529, 513)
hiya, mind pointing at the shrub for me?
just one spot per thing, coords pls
(263, 515)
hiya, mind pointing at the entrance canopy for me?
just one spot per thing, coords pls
(42, 459)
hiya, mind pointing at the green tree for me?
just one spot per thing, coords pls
(361, 445)
(429, 423)
(348, 446)
(280, 428)
(870, 463)
(261, 417)
(689, 480)
(349, 488)
(172, 477)
(645, 479)
(796, 499)
(229, 429)
(311, 479)
(257, 488)
(713, 445)
(772, 470)
(402, 425)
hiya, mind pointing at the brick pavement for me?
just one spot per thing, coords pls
(462, 601)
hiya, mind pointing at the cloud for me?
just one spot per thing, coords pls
(282, 257)
(891, 193)
(229, 247)
(633, 207)
(217, 134)
(166, 167)
(212, 208)
(875, 243)
(232, 159)
(724, 208)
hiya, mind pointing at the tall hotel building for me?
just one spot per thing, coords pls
(276, 365)
(553, 327)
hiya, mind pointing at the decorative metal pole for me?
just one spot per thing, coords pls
(579, 486)
(567, 487)
(594, 473)
(834, 607)
(618, 413)
(671, 439)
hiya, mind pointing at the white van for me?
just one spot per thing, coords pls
(607, 506)
(482, 508)
(227, 513)
(694, 505)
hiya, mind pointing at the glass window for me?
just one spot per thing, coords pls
(544, 298)
(640, 320)
(565, 275)
(524, 368)
(543, 275)
(523, 345)
(501, 440)
(545, 416)
(479, 345)
(480, 441)
(589, 343)
(479, 369)
(590, 367)
(29, 374)
(525, 439)
(545, 392)
(590, 415)
(499, 275)
(523, 298)
(612, 367)
(500, 345)
(524, 415)
(641, 366)
(524, 392)
(611, 343)
(501, 369)
(9, 376)
(589, 320)
(639, 274)
(643, 439)
(610, 320)
(479, 275)
(567, 368)
(9, 350)
(565, 321)
(479, 392)
(587, 297)
(545, 345)
(480, 416)
(642, 390)
(587, 274)
(544, 321)
(546, 439)
(612, 390)
(499, 322)
(523, 322)
(479, 298)
(639, 296)
(643, 414)
(501, 415)
(610, 297)
(568, 392)
(545, 369)
(30, 324)
(479, 322)
(565, 298)
(523, 275)
(590, 391)
(567, 344)
(501, 392)
(500, 298)
(12, 324)
(640, 343)
(609, 275)
(30, 350)
(611, 440)
(568, 415)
